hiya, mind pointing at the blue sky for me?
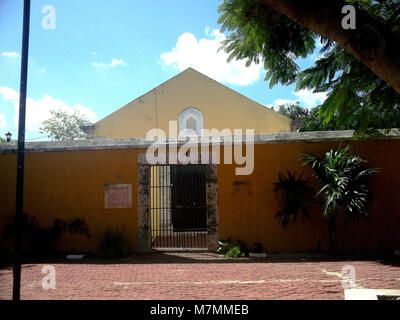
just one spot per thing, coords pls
(103, 54)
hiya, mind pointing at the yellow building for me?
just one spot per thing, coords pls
(69, 180)
(112, 185)
(195, 102)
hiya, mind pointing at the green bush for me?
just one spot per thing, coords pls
(235, 252)
(113, 244)
(232, 248)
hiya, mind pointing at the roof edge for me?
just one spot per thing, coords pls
(142, 143)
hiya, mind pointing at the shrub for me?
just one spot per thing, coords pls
(232, 248)
(113, 244)
(235, 252)
(223, 246)
(37, 240)
(79, 226)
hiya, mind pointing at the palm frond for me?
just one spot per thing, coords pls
(343, 179)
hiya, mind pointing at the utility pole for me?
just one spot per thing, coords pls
(21, 153)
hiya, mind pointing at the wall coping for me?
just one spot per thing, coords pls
(142, 143)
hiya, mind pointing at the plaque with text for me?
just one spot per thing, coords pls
(118, 196)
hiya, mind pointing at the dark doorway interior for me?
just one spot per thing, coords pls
(188, 198)
(178, 206)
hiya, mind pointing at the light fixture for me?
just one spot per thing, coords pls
(8, 136)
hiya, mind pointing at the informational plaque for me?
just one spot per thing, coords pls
(118, 196)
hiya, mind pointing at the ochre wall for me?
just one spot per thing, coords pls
(70, 185)
(247, 204)
(221, 107)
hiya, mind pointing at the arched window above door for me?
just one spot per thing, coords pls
(190, 122)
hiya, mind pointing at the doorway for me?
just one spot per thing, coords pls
(178, 206)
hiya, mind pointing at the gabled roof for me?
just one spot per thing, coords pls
(186, 71)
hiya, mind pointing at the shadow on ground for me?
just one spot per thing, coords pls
(198, 256)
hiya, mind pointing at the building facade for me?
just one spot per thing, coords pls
(196, 103)
(109, 184)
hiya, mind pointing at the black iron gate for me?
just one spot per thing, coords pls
(178, 206)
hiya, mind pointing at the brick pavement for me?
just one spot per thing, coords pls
(200, 276)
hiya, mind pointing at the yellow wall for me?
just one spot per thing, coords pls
(70, 185)
(155, 194)
(247, 204)
(221, 107)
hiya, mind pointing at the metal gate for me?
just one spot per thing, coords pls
(178, 206)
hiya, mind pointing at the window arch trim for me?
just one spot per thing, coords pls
(185, 115)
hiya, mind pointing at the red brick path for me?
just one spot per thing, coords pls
(199, 276)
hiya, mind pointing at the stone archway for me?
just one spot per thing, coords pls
(143, 207)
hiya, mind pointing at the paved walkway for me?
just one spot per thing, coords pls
(200, 276)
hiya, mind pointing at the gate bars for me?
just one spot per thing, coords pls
(178, 206)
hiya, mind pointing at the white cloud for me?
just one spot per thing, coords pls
(279, 102)
(10, 54)
(306, 98)
(203, 55)
(8, 93)
(3, 122)
(114, 62)
(39, 110)
(309, 98)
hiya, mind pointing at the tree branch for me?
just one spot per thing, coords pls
(372, 42)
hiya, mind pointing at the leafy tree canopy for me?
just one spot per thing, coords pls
(357, 97)
(304, 119)
(64, 126)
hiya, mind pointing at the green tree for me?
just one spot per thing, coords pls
(343, 181)
(293, 111)
(309, 120)
(64, 126)
(358, 68)
(2, 139)
(315, 123)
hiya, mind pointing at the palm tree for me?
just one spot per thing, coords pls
(343, 181)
